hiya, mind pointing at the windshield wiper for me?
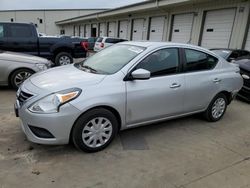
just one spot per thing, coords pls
(89, 68)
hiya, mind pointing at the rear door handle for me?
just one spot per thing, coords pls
(175, 85)
(216, 80)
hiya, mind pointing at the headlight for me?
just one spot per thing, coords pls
(52, 103)
(246, 77)
(41, 66)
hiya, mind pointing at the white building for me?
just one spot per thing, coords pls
(44, 19)
(208, 23)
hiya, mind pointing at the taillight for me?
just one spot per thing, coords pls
(84, 45)
(102, 45)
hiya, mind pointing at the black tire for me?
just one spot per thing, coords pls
(208, 114)
(83, 122)
(63, 58)
(14, 77)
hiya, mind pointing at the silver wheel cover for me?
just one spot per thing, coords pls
(64, 60)
(218, 108)
(20, 77)
(97, 132)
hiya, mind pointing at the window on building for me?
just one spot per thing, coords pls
(62, 32)
(197, 61)
(12, 20)
(40, 21)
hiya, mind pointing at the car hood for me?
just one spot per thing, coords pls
(244, 64)
(23, 58)
(64, 77)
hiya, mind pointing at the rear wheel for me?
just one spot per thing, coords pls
(94, 130)
(217, 108)
(19, 76)
(63, 58)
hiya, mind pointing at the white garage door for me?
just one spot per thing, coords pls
(156, 28)
(87, 30)
(138, 27)
(182, 28)
(218, 28)
(247, 45)
(123, 29)
(102, 29)
(111, 29)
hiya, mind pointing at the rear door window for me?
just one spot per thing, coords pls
(113, 40)
(199, 61)
(99, 39)
(1, 31)
(20, 31)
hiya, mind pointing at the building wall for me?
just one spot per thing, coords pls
(199, 8)
(49, 17)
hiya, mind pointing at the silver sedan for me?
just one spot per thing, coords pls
(16, 67)
(127, 85)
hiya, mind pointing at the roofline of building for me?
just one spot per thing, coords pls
(106, 11)
(54, 9)
(155, 3)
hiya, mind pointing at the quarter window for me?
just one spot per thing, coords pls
(161, 62)
(198, 61)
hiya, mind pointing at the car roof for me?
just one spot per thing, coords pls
(162, 44)
(229, 49)
(104, 37)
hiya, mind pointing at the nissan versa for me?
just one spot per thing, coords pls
(126, 85)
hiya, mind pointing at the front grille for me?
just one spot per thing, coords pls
(246, 82)
(23, 96)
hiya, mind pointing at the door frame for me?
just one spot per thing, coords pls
(204, 15)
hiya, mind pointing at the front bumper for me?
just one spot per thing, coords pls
(57, 124)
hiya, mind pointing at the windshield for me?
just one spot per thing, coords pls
(223, 53)
(111, 59)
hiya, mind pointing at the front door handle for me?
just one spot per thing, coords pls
(175, 85)
(216, 80)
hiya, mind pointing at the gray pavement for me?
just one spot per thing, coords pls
(183, 153)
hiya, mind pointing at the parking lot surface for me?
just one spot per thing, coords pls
(183, 153)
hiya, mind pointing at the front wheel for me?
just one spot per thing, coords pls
(216, 108)
(19, 76)
(94, 130)
(63, 58)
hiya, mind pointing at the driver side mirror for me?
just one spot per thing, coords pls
(140, 74)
